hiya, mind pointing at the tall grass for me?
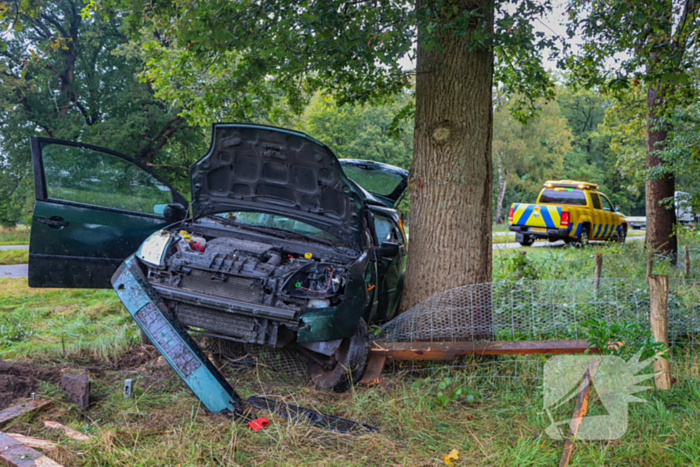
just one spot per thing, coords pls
(15, 236)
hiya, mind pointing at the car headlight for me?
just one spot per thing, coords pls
(152, 251)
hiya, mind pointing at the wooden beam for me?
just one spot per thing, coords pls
(70, 432)
(33, 442)
(579, 412)
(25, 407)
(15, 454)
(658, 317)
(374, 369)
(450, 350)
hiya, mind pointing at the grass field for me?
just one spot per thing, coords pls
(17, 236)
(495, 422)
(13, 257)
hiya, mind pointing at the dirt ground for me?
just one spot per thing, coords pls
(19, 380)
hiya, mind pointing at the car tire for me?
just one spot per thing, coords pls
(351, 359)
(528, 240)
(622, 237)
(583, 238)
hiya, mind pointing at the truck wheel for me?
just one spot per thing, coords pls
(583, 237)
(351, 358)
(528, 240)
(622, 236)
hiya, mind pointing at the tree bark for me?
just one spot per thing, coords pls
(451, 176)
(661, 218)
(501, 193)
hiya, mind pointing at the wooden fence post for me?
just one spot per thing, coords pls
(658, 315)
(687, 260)
(598, 270)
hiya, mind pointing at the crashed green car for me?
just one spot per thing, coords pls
(282, 245)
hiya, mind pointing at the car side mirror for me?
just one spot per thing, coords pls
(386, 250)
(174, 212)
(617, 208)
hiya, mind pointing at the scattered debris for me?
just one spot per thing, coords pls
(26, 407)
(301, 414)
(70, 432)
(128, 388)
(258, 423)
(14, 453)
(33, 442)
(77, 388)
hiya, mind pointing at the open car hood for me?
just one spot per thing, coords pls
(266, 169)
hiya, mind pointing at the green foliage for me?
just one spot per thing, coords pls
(446, 389)
(621, 338)
(71, 77)
(515, 265)
(527, 155)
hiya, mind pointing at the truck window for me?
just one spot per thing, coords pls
(563, 196)
(596, 201)
(607, 205)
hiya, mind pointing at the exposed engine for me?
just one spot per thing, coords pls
(244, 290)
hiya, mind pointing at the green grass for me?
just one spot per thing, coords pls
(163, 423)
(62, 325)
(13, 257)
(17, 236)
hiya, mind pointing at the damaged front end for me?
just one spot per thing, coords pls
(252, 291)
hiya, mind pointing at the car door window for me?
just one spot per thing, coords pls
(607, 205)
(85, 176)
(596, 201)
(386, 229)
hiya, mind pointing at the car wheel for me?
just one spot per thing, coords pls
(351, 360)
(622, 236)
(583, 237)
(528, 240)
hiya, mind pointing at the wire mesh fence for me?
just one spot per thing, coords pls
(504, 311)
(541, 309)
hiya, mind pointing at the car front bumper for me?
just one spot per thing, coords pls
(172, 341)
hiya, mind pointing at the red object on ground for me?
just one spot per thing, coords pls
(258, 423)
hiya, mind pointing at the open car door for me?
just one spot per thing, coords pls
(94, 207)
(386, 182)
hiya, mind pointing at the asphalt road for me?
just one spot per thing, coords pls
(14, 247)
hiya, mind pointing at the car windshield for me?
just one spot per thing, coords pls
(273, 221)
(563, 196)
(373, 180)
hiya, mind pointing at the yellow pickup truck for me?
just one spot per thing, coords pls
(568, 210)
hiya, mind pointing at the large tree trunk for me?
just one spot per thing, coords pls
(451, 176)
(661, 218)
(501, 192)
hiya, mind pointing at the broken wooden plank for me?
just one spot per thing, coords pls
(579, 412)
(22, 408)
(33, 442)
(450, 350)
(15, 454)
(374, 369)
(70, 432)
